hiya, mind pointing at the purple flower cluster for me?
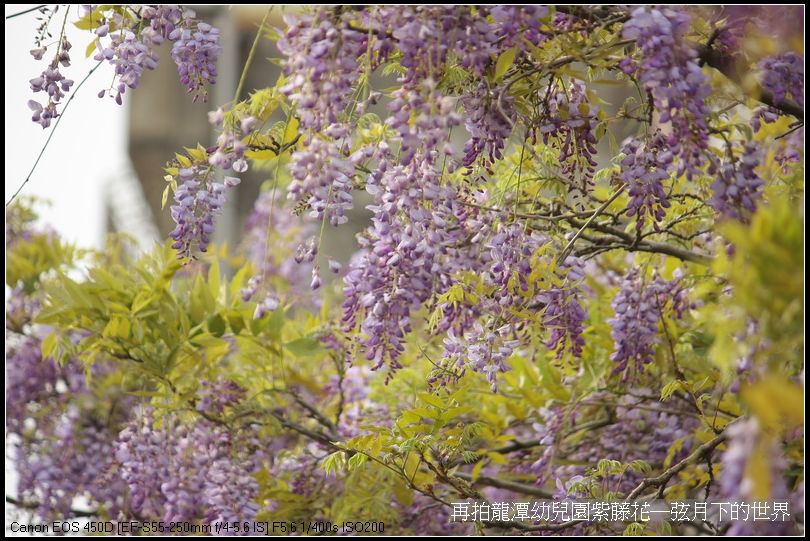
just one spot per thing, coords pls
(736, 483)
(426, 35)
(488, 127)
(197, 199)
(130, 54)
(229, 152)
(322, 176)
(321, 63)
(570, 120)
(271, 234)
(783, 77)
(57, 440)
(61, 449)
(639, 307)
(564, 315)
(392, 275)
(214, 397)
(491, 340)
(52, 82)
(737, 187)
(636, 432)
(71, 457)
(195, 51)
(195, 472)
(517, 23)
(418, 239)
(30, 379)
(482, 350)
(669, 70)
(130, 41)
(644, 169)
(435, 117)
(322, 67)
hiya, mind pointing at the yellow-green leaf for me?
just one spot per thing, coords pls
(505, 62)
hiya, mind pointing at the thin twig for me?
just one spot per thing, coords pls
(663, 479)
(249, 60)
(23, 12)
(53, 130)
(520, 488)
(72, 513)
(589, 221)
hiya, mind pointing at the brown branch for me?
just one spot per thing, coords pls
(727, 65)
(320, 437)
(33, 506)
(707, 54)
(314, 413)
(589, 221)
(520, 488)
(629, 243)
(531, 527)
(661, 480)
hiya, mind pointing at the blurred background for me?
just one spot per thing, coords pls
(103, 169)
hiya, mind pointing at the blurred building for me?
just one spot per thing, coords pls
(163, 120)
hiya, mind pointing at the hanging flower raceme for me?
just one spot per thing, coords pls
(640, 307)
(737, 186)
(198, 199)
(783, 77)
(570, 120)
(669, 70)
(644, 169)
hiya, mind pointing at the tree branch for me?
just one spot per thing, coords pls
(520, 488)
(726, 65)
(662, 480)
(32, 506)
(629, 243)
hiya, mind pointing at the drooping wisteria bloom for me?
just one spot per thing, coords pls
(640, 306)
(272, 236)
(195, 51)
(564, 314)
(188, 472)
(737, 187)
(321, 61)
(488, 123)
(738, 482)
(644, 169)
(52, 82)
(569, 121)
(197, 200)
(783, 77)
(130, 47)
(669, 70)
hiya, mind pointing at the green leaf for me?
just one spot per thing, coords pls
(476, 471)
(91, 47)
(216, 325)
(214, 279)
(165, 196)
(49, 345)
(334, 462)
(435, 401)
(235, 320)
(304, 347)
(505, 62)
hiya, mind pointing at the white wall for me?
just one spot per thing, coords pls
(89, 146)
